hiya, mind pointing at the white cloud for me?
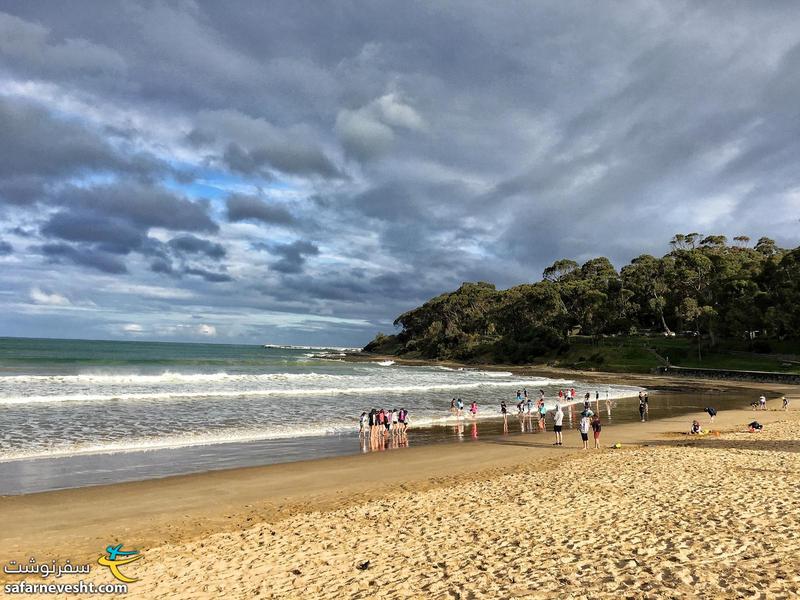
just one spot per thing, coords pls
(38, 296)
(132, 328)
(206, 329)
(149, 291)
(369, 130)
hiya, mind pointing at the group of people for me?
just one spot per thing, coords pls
(390, 424)
(589, 421)
(383, 422)
(760, 404)
(457, 408)
(527, 408)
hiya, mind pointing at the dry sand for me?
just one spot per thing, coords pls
(668, 516)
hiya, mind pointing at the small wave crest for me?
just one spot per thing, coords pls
(290, 391)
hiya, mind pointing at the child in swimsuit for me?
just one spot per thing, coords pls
(596, 427)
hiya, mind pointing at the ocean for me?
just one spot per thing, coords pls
(166, 408)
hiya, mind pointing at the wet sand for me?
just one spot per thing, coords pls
(665, 516)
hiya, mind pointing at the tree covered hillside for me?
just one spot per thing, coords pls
(704, 285)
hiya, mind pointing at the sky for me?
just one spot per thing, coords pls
(303, 172)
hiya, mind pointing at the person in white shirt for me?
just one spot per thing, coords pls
(584, 429)
(362, 424)
(558, 421)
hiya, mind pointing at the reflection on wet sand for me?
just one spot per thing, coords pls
(380, 442)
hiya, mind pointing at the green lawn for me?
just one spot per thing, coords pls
(641, 354)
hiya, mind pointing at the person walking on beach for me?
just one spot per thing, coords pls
(453, 407)
(558, 421)
(646, 405)
(642, 406)
(459, 408)
(762, 402)
(395, 422)
(785, 403)
(712, 412)
(584, 429)
(362, 424)
(504, 412)
(542, 414)
(373, 423)
(596, 427)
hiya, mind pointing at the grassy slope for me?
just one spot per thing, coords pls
(642, 354)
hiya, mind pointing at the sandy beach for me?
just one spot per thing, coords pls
(666, 515)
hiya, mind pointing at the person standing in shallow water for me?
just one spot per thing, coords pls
(642, 406)
(504, 412)
(542, 415)
(362, 424)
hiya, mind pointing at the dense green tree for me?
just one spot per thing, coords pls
(648, 279)
(703, 285)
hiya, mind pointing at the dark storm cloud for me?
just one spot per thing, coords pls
(84, 256)
(88, 227)
(22, 190)
(293, 256)
(5, 248)
(243, 207)
(427, 144)
(298, 161)
(46, 146)
(163, 266)
(255, 146)
(190, 244)
(209, 276)
(142, 204)
(32, 50)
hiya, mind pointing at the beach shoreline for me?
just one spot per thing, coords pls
(184, 509)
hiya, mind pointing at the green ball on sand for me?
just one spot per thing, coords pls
(617, 445)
